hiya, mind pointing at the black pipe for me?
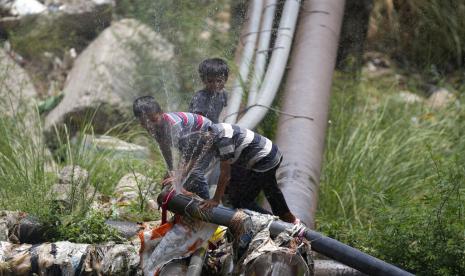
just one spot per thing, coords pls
(184, 205)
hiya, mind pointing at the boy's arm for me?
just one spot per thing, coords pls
(164, 141)
(223, 181)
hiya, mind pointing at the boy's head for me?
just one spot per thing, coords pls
(147, 111)
(214, 73)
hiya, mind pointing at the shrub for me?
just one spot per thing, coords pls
(393, 180)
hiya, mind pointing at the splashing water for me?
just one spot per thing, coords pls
(194, 157)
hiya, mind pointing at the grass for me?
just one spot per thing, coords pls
(419, 33)
(25, 179)
(389, 172)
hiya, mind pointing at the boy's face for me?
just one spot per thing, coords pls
(215, 83)
(149, 120)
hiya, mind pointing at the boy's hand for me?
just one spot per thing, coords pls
(208, 204)
(186, 192)
(167, 181)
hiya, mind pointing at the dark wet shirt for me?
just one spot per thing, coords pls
(208, 104)
(245, 148)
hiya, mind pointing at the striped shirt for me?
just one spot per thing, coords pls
(245, 147)
(183, 122)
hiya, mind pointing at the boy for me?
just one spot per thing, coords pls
(181, 238)
(259, 156)
(211, 100)
(173, 129)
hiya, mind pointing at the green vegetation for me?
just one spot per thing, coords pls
(90, 229)
(420, 33)
(24, 181)
(393, 179)
(27, 175)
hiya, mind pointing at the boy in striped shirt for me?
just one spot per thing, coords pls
(181, 236)
(174, 129)
(257, 154)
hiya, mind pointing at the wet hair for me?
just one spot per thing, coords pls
(213, 67)
(145, 105)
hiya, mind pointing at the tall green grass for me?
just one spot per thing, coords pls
(387, 179)
(421, 33)
(28, 171)
(24, 181)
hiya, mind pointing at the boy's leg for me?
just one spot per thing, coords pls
(242, 190)
(197, 183)
(274, 195)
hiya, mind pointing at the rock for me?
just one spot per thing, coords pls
(34, 21)
(409, 97)
(126, 229)
(18, 100)
(379, 60)
(76, 6)
(20, 7)
(116, 147)
(5, 7)
(440, 98)
(19, 227)
(16, 89)
(63, 193)
(376, 64)
(27, 7)
(8, 220)
(73, 184)
(131, 186)
(131, 190)
(29, 230)
(62, 26)
(127, 60)
(73, 175)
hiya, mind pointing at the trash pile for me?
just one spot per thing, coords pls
(65, 258)
(245, 250)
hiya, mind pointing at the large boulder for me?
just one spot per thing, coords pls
(126, 61)
(44, 34)
(16, 89)
(115, 147)
(32, 13)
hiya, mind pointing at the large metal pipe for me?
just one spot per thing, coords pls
(307, 92)
(263, 48)
(249, 40)
(275, 70)
(331, 248)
